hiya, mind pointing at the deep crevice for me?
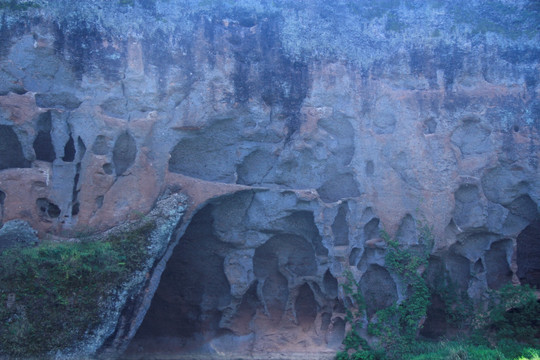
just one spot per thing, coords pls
(528, 255)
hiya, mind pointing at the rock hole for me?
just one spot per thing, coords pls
(326, 319)
(2, 200)
(498, 270)
(99, 201)
(430, 126)
(468, 211)
(354, 257)
(63, 100)
(516, 128)
(406, 234)
(478, 267)
(371, 229)
(47, 208)
(436, 324)
(335, 335)
(207, 155)
(192, 291)
(75, 209)
(343, 133)
(81, 148)
(524, 207)
(472, 138)
(11, 154)
(43, 146)
(305, 307)
(255, 167)
(288, 251)
(339, 187)
(370, 168)
(108, 168)
(330, 285)
(241, 322)
(75, 191)
(528, 255)
(101, 145)
(458, 268)
(340, 227)
(378, 288)
(503, 185)
(275, 293)
(124, 153)
(69, 150)
(302, 223)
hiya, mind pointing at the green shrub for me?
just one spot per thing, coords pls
(514, 313)
(396, 326)
(51, 295)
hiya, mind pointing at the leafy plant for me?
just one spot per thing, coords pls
(396, 326)
(458, 306)
(355, 313)
(514, 313)
(51, 295)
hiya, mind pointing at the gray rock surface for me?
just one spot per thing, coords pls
(17, 233)
(298, 130)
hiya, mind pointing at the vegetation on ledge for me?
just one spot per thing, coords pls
(52, 295)
(507, 328)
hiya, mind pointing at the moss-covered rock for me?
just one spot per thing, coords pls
(63, 299)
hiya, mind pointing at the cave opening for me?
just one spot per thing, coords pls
(528, 255)
(43, 145)
(187, 306)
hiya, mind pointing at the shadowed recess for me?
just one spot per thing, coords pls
(43, 146)
(11, 154)
(339, 187)
(192, 290)
(124, 153)
(306, 307)
(497, 266)
(69, 150)
(330, 285)
(340, 227)
(2, 199)
(378, 288)
(47, 208)
(528, 255)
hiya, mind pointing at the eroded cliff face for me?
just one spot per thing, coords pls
(298, 131)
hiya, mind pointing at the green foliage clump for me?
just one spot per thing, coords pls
(51, 294)
(458, 307)
(465, 350)
(514, 313)
(353, 342)
(17, 5)
(507, 329)
(396, 326)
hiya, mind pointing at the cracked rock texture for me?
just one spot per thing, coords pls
(298, 131)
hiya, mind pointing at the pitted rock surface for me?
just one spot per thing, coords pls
(298, 131)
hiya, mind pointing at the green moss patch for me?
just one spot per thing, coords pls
(51, 295)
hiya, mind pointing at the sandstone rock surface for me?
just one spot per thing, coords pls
(298, 131)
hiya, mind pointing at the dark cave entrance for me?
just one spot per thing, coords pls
(236, 285)
(185, 309)
(528, 255)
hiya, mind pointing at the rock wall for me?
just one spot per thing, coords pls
(298, 130)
